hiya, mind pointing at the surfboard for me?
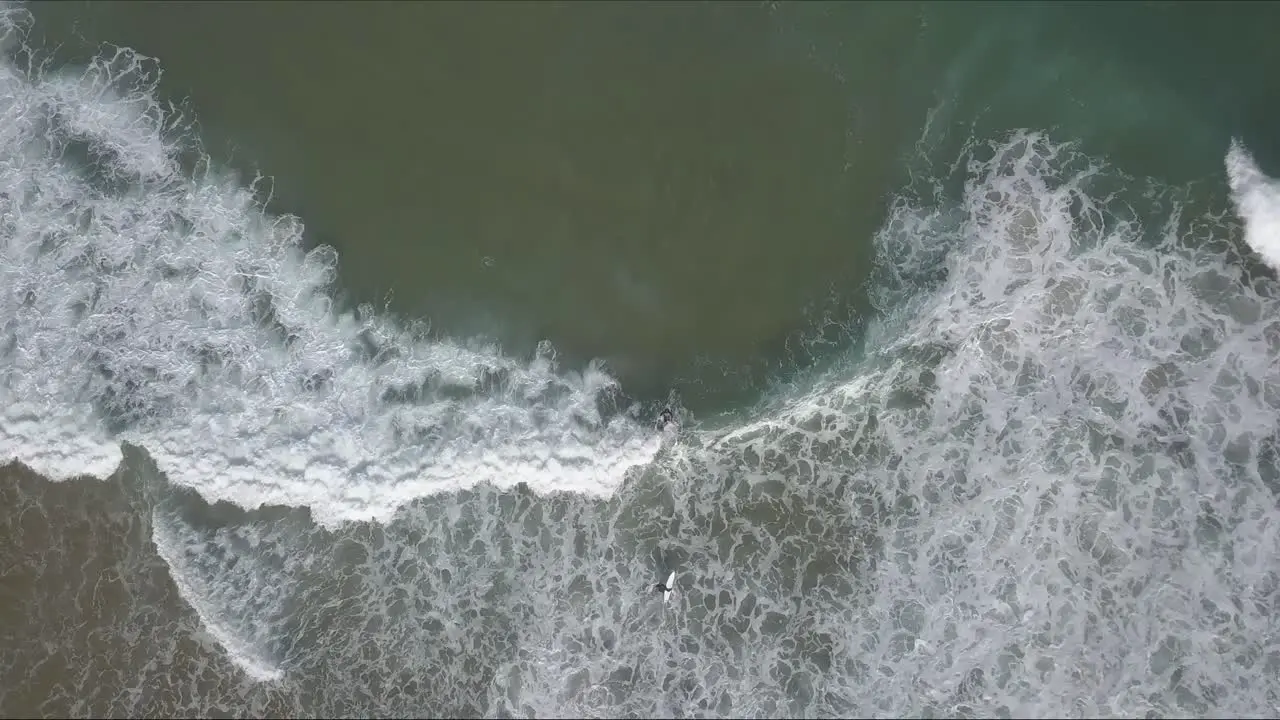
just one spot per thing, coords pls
(670, 583)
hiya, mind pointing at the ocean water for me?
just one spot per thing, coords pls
(1000, 438)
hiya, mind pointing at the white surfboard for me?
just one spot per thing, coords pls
(670, 583)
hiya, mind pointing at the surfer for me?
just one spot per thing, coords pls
(666, 587)
(665, 418)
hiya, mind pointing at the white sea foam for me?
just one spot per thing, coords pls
(1049, 490)
(1066, 452)
(142, 305)
(229, 608)
(1257, 200)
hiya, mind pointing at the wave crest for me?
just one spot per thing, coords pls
(171, 310)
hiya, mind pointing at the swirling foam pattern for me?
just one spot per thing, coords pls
(1048, 489)
(147, 306)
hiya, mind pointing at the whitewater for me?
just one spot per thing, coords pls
(1045, 487)
(179, 298)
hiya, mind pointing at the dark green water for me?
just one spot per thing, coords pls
(661, 186)
(970, 431)
(678, 188)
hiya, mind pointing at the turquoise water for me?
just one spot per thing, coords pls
(966, 312)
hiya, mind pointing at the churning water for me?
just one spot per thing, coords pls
(1044, 486)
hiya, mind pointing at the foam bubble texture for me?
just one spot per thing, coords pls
(142, 305)
(1049, 490)
(1077, 435)
(1257, 201)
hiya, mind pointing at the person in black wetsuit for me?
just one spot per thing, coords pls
(665, 418)
(659, 587)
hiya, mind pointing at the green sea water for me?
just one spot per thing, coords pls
(976, 377)
(686, 190)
